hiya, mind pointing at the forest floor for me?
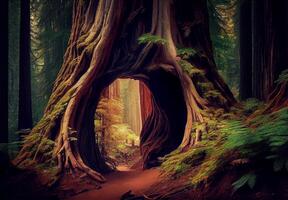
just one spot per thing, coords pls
(121, 182)
(129, 178)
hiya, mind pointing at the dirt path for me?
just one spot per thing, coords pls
(120, 182)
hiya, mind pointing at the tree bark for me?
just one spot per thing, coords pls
(269, 45)
(103, 46)
(145, 102)
(245, 49)
(4, 72)
(262, 49)
(25, 102)
(280, 39)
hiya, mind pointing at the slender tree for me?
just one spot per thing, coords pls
(245, 49)
(103, 46)
(268, 46)
(145, 101)
(25, 102)
(278, 98)
(4, 72)
(280, 38)
(262, 72)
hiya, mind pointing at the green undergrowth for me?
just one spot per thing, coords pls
(37, 147)
(198, 75)
(258, 147)
(42, 157)
(185, 53)
(251, 105)
(283, 77)
(42, 150)
(149, 38)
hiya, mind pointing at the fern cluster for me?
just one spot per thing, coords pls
(251, 105)
(149, 38)
(185, 53)
(283, 77)
(259, 147)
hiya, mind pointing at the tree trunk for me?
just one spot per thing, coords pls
(279, 97)
(114, 90)
(280, 37)
(145, 102)
(245, 50)
(25, 108)
(132, 110)
(262, 49)
(4, 72)
(103, 46)
(269, 45)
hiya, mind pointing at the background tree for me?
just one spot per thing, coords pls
(51, 24)
(268, 46)
(223, 21)
(4, 73)
(13, 57)
(245, 27)
(25, 102)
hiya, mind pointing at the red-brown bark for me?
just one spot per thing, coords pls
(145, 101)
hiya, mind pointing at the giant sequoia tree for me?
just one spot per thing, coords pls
(104, 46)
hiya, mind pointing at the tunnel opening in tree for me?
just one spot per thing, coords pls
(121, 112)
(140, 113)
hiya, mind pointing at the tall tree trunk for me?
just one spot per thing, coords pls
(104, 46)
(114, 90)
(262, 49)
(279, 96)
(269, 45)
(4, 72)
(132, 110)
(280, 36)
(245, 49)
(145, 102)
(25, 108)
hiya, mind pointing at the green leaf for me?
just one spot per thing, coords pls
(240, 182)
(283, 77)
(185, 52)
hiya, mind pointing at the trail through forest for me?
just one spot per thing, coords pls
(120, 182)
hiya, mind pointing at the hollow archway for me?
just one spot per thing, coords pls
(164, 113)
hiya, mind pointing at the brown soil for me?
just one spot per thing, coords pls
(122, 181)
